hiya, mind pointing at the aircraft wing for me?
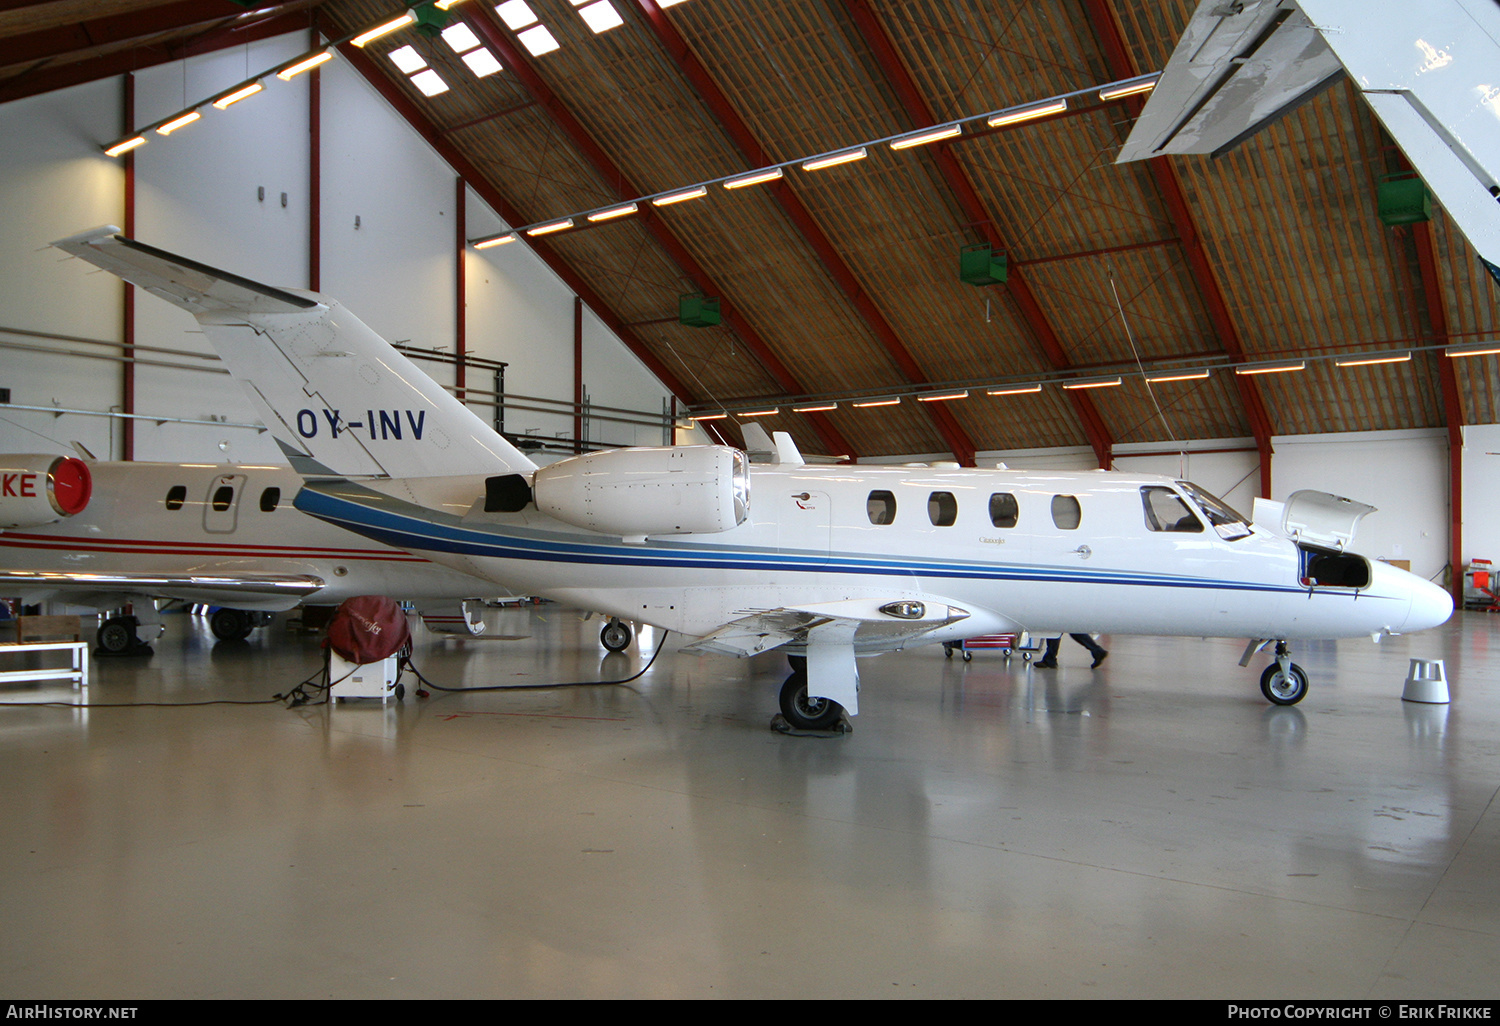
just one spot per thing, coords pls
(1237, 68)
(195, 287)
(269, 592)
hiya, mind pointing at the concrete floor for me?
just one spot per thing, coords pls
(1149, 829)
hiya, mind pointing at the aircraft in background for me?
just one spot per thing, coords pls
(827, 562)
(101, 535)
(1426, 69)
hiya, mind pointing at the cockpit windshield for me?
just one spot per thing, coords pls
(1230, 524)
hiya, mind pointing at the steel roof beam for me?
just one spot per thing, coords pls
(1117, 57)
(1453, 407)
(45, 44)
(755, 155)
(921, 116)
(484, 22)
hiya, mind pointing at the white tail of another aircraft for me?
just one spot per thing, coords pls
(339, 400)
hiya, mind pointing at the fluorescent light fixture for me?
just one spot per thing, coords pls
(1035, 110)
(178, 122)
(1366, 361)
(537, 40)
(1197, 375)
(930, 136)
(1475, 349)
(939, 397)
(383, 30)
(858, 153)
(679, 197)
(600, 16)
(429, 82)
(407, 59)
(815, 408)
(1272, 368)
(516, 14)
(481, 62)
(306, 64)
(550, 227)
(125, 145)
(759, 413)
(1093, 383)
(669, 3)
(1130, 87)
(498, 240)
(443, 5)
(460, 37)
(1018, 390)
(879, 402)
(614, 212)
(238, 95)
(754, 178)
(709, 416)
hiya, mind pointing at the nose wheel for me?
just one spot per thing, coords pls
(1283, 682)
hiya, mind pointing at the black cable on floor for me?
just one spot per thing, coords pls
(532, 687)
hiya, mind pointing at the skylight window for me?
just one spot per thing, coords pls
(407, 59)
(481, 62)
(516, 14)
(460, 37)
(537, 39)
(601, 16)
(429, 82)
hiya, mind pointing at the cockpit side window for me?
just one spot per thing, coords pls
(1165, 511)
(881, 507)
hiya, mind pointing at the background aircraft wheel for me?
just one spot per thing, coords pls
(615, 636)
(230, 624)
(1284, 689)
(117, 634)
(968, 657)
(805, 712)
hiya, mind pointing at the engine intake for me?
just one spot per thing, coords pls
(37, 489)
(688, 489)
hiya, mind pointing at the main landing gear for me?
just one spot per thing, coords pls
(1283, 682)
(616, 635)
(803, 711)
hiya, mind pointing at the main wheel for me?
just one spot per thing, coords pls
(230, 624)
(117, 634)
(804, 711)
(1284, 688)
(615, 636)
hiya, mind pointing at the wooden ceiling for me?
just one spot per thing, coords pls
(845, 281)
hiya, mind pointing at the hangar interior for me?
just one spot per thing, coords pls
(988, 829)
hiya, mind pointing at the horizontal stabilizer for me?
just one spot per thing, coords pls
(1237, 68)
(262, 591)
(340, 401)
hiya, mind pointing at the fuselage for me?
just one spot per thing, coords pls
(1016, 550)
(215, 521)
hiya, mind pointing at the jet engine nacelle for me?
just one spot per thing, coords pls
(38, 489)
(688, 489)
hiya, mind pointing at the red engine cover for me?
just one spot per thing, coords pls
(367, 628)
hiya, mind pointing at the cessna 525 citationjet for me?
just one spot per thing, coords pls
(829, 562)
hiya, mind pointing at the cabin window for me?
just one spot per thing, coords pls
(223, 498)
(176, 496)
(1165, 511)
(1004, 512)
(942, 509)
(270, 499)
(1066, 513)
(881, 506)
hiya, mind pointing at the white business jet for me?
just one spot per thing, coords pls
(99, 535)
(828, 562)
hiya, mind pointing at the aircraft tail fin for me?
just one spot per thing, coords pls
(338, 398)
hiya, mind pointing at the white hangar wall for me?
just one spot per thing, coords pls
(388, 252)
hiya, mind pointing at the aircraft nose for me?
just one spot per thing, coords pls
(1430, 606)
